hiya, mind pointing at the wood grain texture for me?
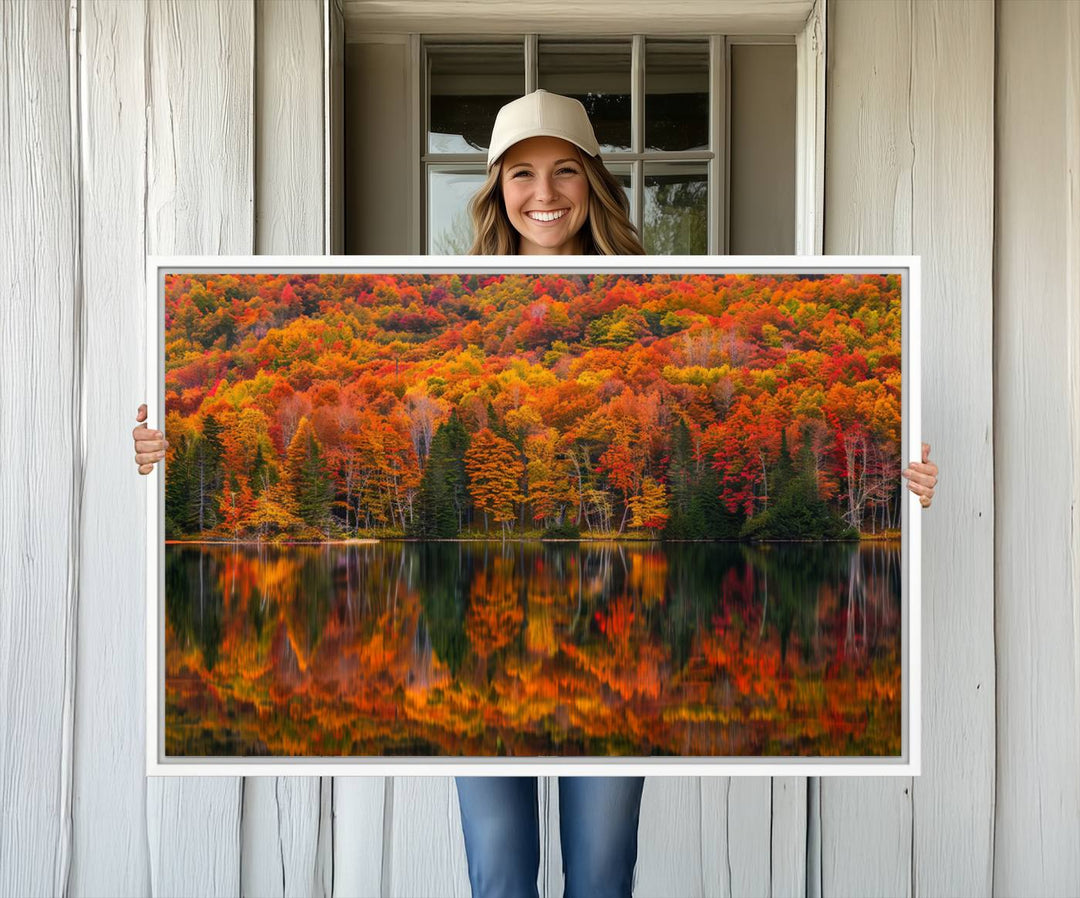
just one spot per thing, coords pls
(737, 832)
(910, 170)
(425, 849)
(1037, 819)
(282, 815)
(280, 836)
(788, 835)
(669, 837)
(199, 200)
(869, 154)
(361, 809)
(109, 813)
(193, 829)
(952, 131)
(289, 128)
(41, 433)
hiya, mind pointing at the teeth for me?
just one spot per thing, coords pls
(547, 216)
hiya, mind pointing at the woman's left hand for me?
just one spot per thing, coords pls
(922, 477)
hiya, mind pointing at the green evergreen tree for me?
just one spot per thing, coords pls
(694, 506)
(680, 480)
(784, 469)
(314, 494)
(443, 501)
(719, 523)
(205, 476)
(261, 473)
(799, 512)
(178, 502)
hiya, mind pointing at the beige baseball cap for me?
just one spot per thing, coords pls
(541, 114)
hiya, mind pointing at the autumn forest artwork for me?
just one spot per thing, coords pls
(484, 515)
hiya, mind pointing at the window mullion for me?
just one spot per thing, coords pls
(725, 145)
(420, 68)
(637, 128)
(717, 186)
(532, 55)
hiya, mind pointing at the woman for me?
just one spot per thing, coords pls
(547, 193)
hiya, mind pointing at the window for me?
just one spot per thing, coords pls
(660, 107)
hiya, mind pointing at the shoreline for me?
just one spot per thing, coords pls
(372, 541)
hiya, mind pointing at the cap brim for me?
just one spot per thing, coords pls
(495, 153)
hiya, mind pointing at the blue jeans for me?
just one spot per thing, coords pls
(598, 822)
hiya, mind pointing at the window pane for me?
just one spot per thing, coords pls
(597, 74)
(676, 95)
(467, 84)
(762, 177)
(676, 208)
(449, 191)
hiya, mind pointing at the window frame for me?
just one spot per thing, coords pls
(810, 118)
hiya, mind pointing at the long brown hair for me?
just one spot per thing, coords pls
(607, 231)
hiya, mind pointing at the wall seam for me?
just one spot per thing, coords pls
(387, 832)
(78, 442)
(913, 889)
(995, 174)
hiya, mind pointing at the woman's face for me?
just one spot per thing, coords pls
(546, 195)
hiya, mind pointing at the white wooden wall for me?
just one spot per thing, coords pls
(1036, 837)
(182, 127)
(909, 148)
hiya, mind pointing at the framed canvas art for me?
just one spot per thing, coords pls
(521, 515)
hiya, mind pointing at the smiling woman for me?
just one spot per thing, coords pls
(546, 195)
(547, 190)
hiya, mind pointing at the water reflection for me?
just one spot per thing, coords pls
(482, 649)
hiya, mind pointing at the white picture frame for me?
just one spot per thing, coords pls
(907, 764)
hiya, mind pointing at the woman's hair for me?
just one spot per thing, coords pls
(607, 231)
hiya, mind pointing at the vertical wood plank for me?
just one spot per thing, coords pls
(280, 836)
(788, 852)
(41, 445)
(289, 129)
(282, 815)
(866, 836)
(425, 854)
(736, 835)
(869, 157)
(1037, 814)
(952, 130)
(324, 847)
(910, 170)
(715, 845)
(360, 812)
(110, 851)
(200, 195)
(670, 837)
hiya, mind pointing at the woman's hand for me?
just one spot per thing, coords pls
(922, 477)
(150, 445)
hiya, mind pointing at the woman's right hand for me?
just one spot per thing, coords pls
(150, 445)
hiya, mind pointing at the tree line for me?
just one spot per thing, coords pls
(439, 406)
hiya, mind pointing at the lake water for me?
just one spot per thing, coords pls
(530, 648)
